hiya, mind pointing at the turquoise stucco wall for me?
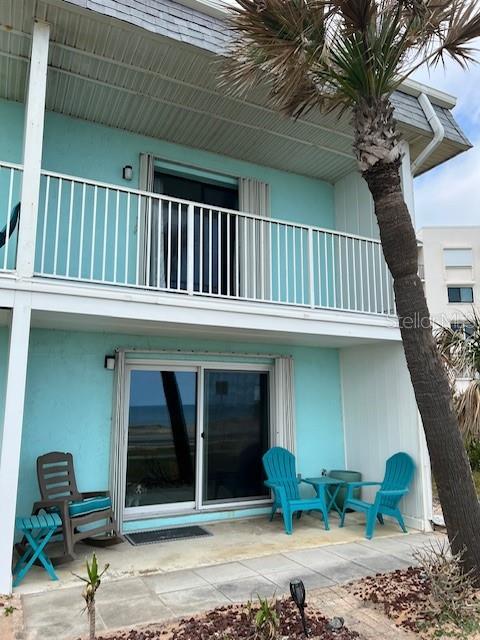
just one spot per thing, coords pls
(81, 148)
(69, 402)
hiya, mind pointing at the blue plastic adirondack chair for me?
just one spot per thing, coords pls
(279, 465)
(399, 472)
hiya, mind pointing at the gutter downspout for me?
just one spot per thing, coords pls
(437, 128)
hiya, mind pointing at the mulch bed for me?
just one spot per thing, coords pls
(403, 595)
(234, 622)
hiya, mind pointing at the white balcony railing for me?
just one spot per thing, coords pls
(101, 233)
(10, 191)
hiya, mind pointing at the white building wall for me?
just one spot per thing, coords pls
(354, 206)
(381, 418)
(437, 277)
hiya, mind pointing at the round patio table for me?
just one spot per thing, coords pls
(327, 489)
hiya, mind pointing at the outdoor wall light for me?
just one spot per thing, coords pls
(109, 362)
(297, 591)
(127, 172)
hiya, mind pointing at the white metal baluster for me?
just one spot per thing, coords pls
(105, 230)
(354, 274)
(319, 268)
(228, 255)
(237, 256)
(327, 271)
(334, 274)
(45, 219)
(219, 254)
(115, 247)
(169, 246)
(302, 266)
(92, 257)
(148, 266)
(294, 261)
(139, 222)
(82, 226)
(254, 258)
(374, 277)
(127, 239)
(57, 226)
(69, 237)
(369, 284)
(311, 278)
(286, 266)
(262, 260)
(380, 274)
(278, 263)
(190, 248)
(210, 251)
(7, 224)
(245, 256)
(347, 265)
(179, 247)
(159, 240)
(201, 245)
(340, 263)
(362, 295)
(389, 289)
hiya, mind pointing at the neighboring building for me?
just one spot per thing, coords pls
(225, 255)
(449, 264)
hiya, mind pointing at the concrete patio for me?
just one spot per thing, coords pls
(163, 581)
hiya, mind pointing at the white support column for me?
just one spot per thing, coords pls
(32, 149)
(12, 431)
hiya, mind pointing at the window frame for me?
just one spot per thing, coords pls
(460, 288)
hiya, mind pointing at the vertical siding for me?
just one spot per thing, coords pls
(381, 418)
(354, 206)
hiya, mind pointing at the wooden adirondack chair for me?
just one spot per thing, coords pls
(279, 465)
(399, 472)
(59, 494)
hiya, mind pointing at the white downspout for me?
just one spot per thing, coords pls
(437, 128)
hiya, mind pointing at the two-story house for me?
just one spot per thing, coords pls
(193, 277)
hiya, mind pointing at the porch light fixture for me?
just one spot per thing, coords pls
(109, 363)
(127, 172)
(297, 591)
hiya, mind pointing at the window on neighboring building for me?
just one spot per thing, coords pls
(460, 294)
(458, 257)
(465, 328)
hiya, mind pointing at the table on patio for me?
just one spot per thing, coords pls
(327, 488)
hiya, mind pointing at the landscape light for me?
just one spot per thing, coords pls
(297, 591)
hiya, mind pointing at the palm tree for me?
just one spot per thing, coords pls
(349, 56)
(460, 349)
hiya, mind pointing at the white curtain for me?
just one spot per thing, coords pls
(153, 272)
(118, 442)
(285, 403)
(254, 197)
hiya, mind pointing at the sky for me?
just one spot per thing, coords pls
(449, 194)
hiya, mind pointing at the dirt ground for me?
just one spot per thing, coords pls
(11, 620)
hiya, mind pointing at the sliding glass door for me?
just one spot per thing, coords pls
(236, 435)
(195, 436)
(161, 449)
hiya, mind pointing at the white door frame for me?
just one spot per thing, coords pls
(199, 367)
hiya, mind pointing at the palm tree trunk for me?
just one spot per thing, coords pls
(449, 460)
(91, 620)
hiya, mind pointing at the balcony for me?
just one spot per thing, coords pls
(104, 234)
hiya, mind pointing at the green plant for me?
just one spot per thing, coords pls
(7, 611)
(349, 57)
(92, 583)
(453, 596)
(266, 619)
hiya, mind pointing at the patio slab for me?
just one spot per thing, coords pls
(232, 541)
(139, 599)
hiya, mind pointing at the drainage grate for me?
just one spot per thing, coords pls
(164, 535)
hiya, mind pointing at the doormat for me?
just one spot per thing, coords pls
(165, 535)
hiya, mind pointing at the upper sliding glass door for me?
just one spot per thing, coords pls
(235, 435)
(161, 450)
